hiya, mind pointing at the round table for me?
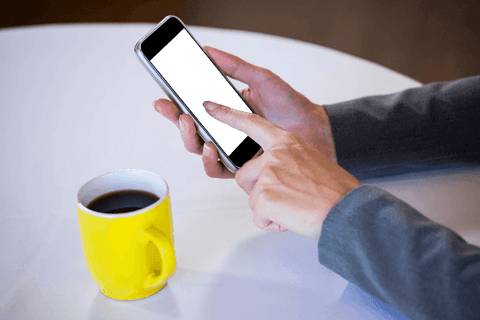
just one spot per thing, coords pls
(76, 103)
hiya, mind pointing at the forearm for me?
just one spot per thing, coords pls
(397, 255)
(430, 126)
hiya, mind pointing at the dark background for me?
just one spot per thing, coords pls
(424, 39)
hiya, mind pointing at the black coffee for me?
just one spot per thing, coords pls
(122, 201)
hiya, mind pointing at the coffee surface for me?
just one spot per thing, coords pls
(122, 201)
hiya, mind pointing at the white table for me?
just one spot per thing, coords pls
(75, 103)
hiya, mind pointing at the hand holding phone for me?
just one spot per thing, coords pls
(189, 77)
(269, 96)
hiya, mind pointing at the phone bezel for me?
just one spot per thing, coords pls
(148, 47)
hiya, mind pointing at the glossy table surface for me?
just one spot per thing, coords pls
(76, 103)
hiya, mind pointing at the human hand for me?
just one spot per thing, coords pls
(292, 185)
(270, 97)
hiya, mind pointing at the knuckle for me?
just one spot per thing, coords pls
(288, 137)
(253, 117)
(222, 111)
(264, 202)
(267, 74)
(284, 136)
(263, 198)
(245, 184)
(226, 111)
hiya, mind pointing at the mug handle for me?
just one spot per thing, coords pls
(167, 254)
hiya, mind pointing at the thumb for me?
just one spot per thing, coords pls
(238, 69)
(256, 127)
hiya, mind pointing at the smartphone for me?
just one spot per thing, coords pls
(188, 77)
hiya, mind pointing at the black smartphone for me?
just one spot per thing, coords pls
(188, 77)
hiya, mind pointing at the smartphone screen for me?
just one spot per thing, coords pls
(194, 78)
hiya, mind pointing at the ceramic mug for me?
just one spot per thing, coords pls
(130, 255)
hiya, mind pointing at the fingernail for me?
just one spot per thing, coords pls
(206, 150)
(182, 125)
(157, 108)
(209, 105)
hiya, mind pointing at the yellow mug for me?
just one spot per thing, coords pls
(129, 255)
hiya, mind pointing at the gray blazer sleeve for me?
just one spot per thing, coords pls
(391, 251)
(416, 129)
(380, 243)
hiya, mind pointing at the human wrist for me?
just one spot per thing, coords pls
(327, 132)
(317, 131)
